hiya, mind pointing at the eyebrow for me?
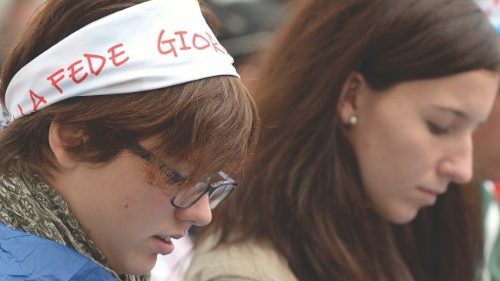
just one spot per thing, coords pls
(147, 156)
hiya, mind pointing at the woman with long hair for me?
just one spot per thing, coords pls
(368, 109)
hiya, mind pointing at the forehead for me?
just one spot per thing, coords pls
(470, 94)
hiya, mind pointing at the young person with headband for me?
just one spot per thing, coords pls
(368, 109)
(124, 114)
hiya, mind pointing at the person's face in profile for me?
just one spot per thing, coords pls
(415, 138)
(125, 211)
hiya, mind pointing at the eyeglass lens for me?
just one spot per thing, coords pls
(186, 197)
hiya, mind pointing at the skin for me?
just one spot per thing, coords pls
(117, 206)
(415, 138)
(486, 146)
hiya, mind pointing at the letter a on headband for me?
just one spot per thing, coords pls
(152, 45)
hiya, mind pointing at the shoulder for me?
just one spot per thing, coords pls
(243, 261)
(25, 256)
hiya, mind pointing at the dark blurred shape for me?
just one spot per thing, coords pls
(247, 26)
(14, 15)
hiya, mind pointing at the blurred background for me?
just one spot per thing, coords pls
(14, 16)
(247, 26)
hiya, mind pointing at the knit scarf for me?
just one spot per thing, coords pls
(29, 204)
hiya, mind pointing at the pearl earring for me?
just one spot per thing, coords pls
(352, 121)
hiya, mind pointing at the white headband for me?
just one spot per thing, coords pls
(492, 10)
(152, 45)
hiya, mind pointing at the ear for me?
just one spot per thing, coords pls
(350, 95)
(63, 137)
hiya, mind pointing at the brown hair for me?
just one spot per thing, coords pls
(211, 122)
(303, 192)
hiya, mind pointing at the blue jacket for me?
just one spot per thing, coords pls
(27, 257)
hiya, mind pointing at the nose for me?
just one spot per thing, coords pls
(199, 214)
(457, 165)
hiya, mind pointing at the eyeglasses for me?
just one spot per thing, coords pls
(188, 196)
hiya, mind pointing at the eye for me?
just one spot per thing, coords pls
(172, 177)
(437, 129)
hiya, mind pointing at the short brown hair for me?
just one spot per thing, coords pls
(211, 122)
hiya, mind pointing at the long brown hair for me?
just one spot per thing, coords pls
(211, 122)
(302, 192)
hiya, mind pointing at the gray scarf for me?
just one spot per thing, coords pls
(30, 205)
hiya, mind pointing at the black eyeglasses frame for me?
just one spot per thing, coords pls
(209, 188)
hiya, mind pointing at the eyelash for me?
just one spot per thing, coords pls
(172, 177)
(437, 130)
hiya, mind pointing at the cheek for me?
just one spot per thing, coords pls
(392, 152)
(132, 192)
(147, 204)
(132, 203)
(393, 163)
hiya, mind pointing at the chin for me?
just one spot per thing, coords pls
(138, 267)
(401, 216)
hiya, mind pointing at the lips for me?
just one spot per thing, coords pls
(435, 191)
(164, 245)
(430, 195)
